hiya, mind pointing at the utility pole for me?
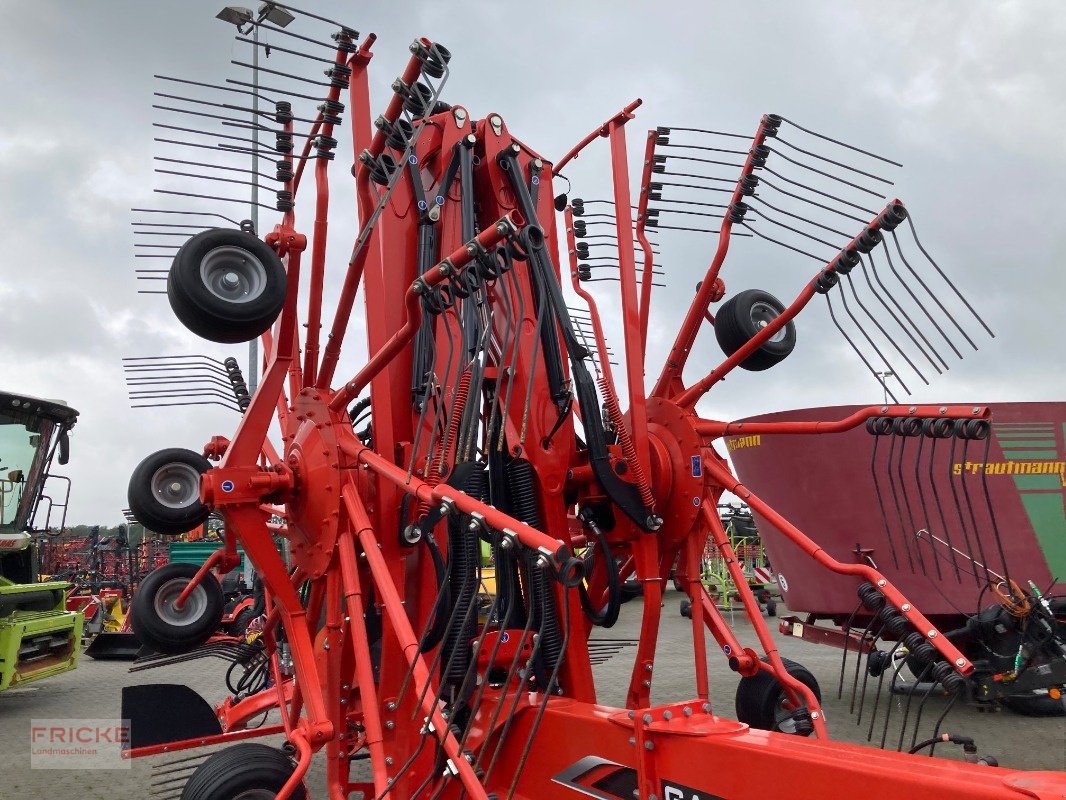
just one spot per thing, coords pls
(243, 19)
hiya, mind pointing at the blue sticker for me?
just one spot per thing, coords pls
(412, 159)
(697, 467)
(505, 637)
(227, 486)
(535, 181)
(727, 649)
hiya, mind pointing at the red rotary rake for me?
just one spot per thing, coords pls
(477, 419)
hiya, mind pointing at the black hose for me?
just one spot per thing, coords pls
(435, 632)
(608, 615)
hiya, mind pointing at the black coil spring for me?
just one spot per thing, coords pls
(464, 554)
(522, 489)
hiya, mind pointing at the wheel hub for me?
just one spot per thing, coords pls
(678, 478)
(176, 485)
(167, 609)
(233, 274)
(316, 461)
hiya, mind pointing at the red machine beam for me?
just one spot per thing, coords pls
(601, 132)
(448, 267)
(632, 330)
(669, 382)
(951, 653)
(711, 428)
(689, 397)
(642, 237)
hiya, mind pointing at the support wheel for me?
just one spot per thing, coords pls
(226, 285)
(763, 704)
(743, 316)
(164, 491)
(239, 626)
(1036, 704)
(246, 771)
(157, 620)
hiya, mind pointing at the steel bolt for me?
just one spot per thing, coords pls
(815, 715)
(882, 582)
(649, 745)
(687, 711)
(646, 719)
(706, 708)
(390, 725)
(931, 634)
(906, 607)
(388, 761)
(960, 662)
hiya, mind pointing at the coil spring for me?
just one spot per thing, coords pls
(522, 491)
(629, 450)
(464, 553)
(439, 461)
(444, 454)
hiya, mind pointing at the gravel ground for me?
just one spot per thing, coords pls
(93, 690)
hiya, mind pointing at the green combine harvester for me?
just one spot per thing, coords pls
(38, 636)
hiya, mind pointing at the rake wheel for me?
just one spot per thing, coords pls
(487, 419)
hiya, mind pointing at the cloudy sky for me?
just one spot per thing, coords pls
(968, 96)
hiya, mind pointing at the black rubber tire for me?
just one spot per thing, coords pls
(759, 696)
(630, 589)
(686, 608)
(241, 768)
(202, 613)
(734, 325)
(210, 309)
(1035, 705)
(239, 626)
(169, 516)
(771, 608)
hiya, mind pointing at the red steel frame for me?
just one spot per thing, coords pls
(340, 501)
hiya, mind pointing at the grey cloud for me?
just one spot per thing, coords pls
(968, 97)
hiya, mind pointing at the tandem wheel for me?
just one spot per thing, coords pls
(762, 703)
(744, 315)
(158, 621)
(164, 491)
(226, 285)
(246, 771)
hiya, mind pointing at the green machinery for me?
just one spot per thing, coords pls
(38, 636)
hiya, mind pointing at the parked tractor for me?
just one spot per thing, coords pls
(38, 636)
